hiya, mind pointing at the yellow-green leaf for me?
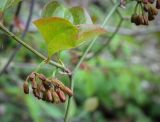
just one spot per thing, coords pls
(50, 8)
(4, 4)
(80, 15)
(55, 9)
(87, 32)
(58, 33)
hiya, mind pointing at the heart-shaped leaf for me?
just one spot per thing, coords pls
(58, 33)
(87, 32)
(49, 9)
(80, 15)
(4, 4)
(76, 15)
(55, 9)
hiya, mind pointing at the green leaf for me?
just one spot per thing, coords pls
(55, 9)
(76, 15)
(5, 4)
(80, 15)
(59, 34)
(50, 8)
(88, 31)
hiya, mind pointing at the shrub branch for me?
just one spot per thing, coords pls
(4, 29)
(23, 33)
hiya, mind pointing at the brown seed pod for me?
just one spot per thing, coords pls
(141, 20)
(47, 84)
(42, 88)
(138, 20)
(67, 91)
(32, 76)
(153, 10)
(26, 87)
(133, 18)
(39, 91)
(158, 4)
(34, 84)
(55, 97)
(150, 16)
(36, 94)
(145, 8)
(44, 96)
(145, 20)
(145, 1)
(58, 83)
(49, 96)
(61, 95)
(151, 1)
(42, 77)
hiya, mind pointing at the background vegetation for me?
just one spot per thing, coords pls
(120, 83)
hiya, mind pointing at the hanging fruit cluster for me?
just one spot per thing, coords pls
(145, 11)
(50, 90)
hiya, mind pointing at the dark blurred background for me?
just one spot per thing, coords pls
(120, 84)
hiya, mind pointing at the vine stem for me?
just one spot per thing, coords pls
(109, 39)
(23, 33)
(39, 66)
(4, 29)
(17, 12)
(66, 118)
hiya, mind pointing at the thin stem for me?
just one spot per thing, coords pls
(83, 57)
(23, 33)
(4, 29)
(18, 9)
(93, 41)
(54, 72)
(39, 66)
(17, 12)
(135, 9)
(118, 12)
(109, 39)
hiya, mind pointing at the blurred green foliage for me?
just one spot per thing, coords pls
(121, 84)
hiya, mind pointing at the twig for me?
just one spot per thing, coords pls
(4, 29)
(11, 29)
(136, 31)
(22, 36)
(16, 14)
(83, 57)
(18, 9)
(117, 11)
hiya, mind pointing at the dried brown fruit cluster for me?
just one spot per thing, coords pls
(147, 11)
(50, 90)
